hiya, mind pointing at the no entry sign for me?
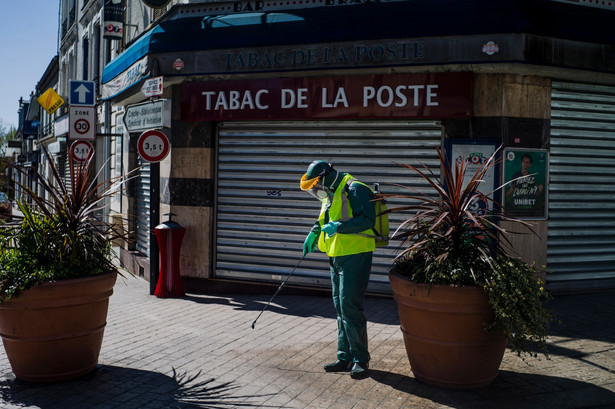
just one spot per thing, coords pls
(153, 145)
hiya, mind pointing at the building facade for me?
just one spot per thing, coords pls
(259, 89)
(253, 91)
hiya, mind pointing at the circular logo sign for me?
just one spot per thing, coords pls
(153, 146)
(490, 48)
(81, 151)
(178, 64)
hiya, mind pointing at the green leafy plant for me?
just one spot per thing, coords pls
(60, 235)
(446, 242)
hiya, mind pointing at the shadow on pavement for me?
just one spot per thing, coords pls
(296, 306)
(509, 390)
(110, 386)
(587, 316)
(381, 310)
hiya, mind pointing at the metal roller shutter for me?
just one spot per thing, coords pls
(581, 239)
(263, 216)
(142, 202)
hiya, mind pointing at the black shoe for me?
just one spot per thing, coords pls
(359, 370)
(338, 366)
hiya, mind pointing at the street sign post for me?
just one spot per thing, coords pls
(81, 93)
(148, 115)
(81, 151)
(153, 87)
(82, 122)
(153, 145)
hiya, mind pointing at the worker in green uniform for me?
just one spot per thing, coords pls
(344, 232)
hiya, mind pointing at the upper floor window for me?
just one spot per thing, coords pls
(86, 58)
(69, 15)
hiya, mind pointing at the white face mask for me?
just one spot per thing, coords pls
(323, 193)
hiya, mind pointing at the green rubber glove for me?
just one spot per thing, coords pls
(331, 228)
(310, 243)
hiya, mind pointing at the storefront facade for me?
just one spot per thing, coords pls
(260, 89)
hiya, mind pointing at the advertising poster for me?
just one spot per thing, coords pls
(475, 153)
(525, 179)
(113, 19)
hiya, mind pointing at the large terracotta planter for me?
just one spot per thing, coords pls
(444, 336)
(53, 332)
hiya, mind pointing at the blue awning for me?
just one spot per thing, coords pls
(133, 53)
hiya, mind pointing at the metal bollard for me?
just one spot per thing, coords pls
(169, 236)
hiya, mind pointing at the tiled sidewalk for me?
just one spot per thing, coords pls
(200, 351)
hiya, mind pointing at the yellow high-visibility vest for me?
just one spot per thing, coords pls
(343, 244)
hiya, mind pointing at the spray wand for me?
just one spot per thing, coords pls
(279, 288)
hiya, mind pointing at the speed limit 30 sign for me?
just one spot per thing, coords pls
(153, 145)
(82, 122)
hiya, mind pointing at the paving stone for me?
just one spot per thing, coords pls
(199, 351)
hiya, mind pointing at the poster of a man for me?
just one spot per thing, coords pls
(525, 174)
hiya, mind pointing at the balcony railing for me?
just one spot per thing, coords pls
(45, 130)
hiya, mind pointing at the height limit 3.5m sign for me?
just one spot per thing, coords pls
(82, 122)
(153, 145)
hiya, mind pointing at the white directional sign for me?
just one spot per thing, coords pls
(81, 93)
(153, 87)
(148, 115)
(81, 151)
(82, 122)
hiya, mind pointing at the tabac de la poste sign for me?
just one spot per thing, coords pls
(430, 95)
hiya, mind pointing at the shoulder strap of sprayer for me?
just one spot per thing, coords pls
(345, 216)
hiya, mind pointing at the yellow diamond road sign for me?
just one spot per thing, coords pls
(50, 101)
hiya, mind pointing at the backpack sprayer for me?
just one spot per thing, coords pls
(381, 228)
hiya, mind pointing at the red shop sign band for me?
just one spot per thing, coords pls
(429, 95)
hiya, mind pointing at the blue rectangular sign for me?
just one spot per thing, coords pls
(81, 93)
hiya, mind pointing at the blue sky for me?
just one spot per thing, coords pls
(28, 42)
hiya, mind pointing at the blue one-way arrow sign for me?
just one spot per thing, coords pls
(81, 93)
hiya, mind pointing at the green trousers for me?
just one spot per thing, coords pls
(349, 278)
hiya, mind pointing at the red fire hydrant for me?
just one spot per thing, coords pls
(169, 235)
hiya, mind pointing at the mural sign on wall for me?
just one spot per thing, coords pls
(526, 174)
